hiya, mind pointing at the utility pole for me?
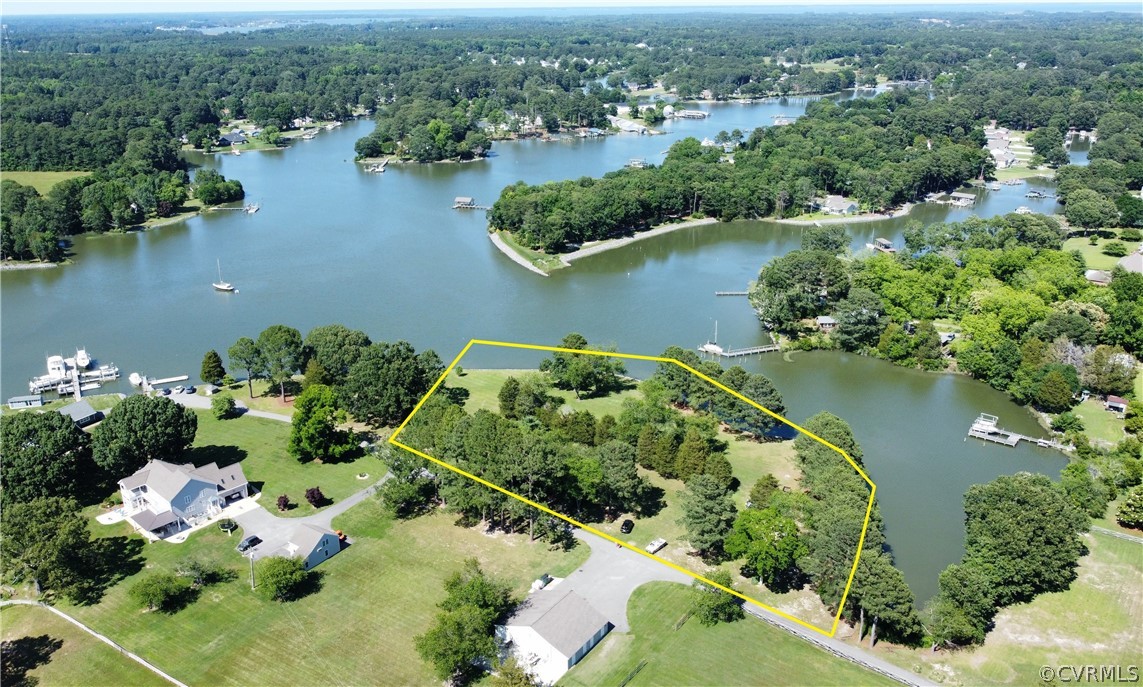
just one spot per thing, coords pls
(251, 557)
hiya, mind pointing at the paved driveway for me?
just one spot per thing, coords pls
(612, 573)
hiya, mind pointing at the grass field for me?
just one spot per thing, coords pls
(1100, 424)
(260, 445)
(1098, 621)
(102, 402)
(484, 385)
(41, 181)
(1093, 255)
(78, 660)
(375, 597)
(747, 652)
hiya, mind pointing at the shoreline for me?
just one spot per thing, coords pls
(851, 219)
(611, 244)
(14, 265)
(513, 255)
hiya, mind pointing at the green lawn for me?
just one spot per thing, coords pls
(41, 181)
(1021, 171)
(78, 659)
(375, 597)
(484, 385)
(1093, 255)
(1100, 424)
(1098, 621)
(260, 445)
(104, 402)
(545, 262)
(747, 652)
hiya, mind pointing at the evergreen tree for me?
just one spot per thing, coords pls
(708, 514)
(692, 455)
(212, 371)
(509, 391)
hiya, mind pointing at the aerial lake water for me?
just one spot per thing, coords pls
(386, 253)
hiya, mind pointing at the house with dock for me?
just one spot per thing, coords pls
(81, 413)
(963, 200)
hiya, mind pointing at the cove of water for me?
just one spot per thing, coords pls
(385, 253)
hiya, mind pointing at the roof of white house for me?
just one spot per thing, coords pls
(168, 479)
(826, 319)
(837, 203)
(562, 617)
(307, 536)
(1132, 263)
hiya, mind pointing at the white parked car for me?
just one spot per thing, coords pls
(656, 546)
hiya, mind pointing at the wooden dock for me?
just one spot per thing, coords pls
(731, 293)
(715, 349)
(984, 428)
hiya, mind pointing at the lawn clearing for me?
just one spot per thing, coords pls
(259, 445)
(484, 386)
(545, 262)
(41, 181)
(1093, 255)
(78, 660)
(746, 652)
(1098, 621)
(375, 597)
(1099, 423)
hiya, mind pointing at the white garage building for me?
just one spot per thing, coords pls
(552, 631)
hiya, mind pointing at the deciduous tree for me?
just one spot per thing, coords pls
(45, 454)
(139, 429)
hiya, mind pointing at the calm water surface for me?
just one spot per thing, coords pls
(386, 254)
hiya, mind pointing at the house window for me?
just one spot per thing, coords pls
(186, 499)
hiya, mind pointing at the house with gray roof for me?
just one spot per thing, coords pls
(552, 631)
(1133, 262)
(163, 498)
(310, 543)
(82, 413)
(837, 205)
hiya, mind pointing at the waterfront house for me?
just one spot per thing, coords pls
(82, 413)
(836, 205)
(17, 402)
(163, 498)
(552, 631)
(1116, 404)
(233, 138)
(826, 323)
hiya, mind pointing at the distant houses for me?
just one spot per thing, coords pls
(1133, 262)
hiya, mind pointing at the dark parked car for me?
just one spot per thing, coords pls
(248, 543)
(627, 526)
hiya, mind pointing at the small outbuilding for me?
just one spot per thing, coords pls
(17, 402)
(1098, 277)
(1116, 403)
(82, 413)
(826, 323)
(552, 631)
(313, 545)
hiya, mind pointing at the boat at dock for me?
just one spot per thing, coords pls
(82, 359)
(252, 208)
(984, 427)
(64, 374)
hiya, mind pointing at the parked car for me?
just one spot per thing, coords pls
(656, 546)
(248, 543)
(163, 391)
(178, 389)
(627, 526)
(190, 390)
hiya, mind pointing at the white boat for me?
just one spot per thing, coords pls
(82, 359)
(251, 209)
(135, 378)
(994, 187)
(222, 285)
(237, 151)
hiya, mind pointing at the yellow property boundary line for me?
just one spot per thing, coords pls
(608, 354)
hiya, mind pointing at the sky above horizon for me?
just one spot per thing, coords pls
(65, 7)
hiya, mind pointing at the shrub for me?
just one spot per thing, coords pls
(1115, 249)
(222, 406)
(160, 591)
(1131, 234)
(283, 503)
(315, 497)
(281, 579)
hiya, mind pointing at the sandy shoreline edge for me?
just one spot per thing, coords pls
(513, 255)
(611, 244)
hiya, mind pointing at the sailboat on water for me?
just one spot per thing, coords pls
(222, 285)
